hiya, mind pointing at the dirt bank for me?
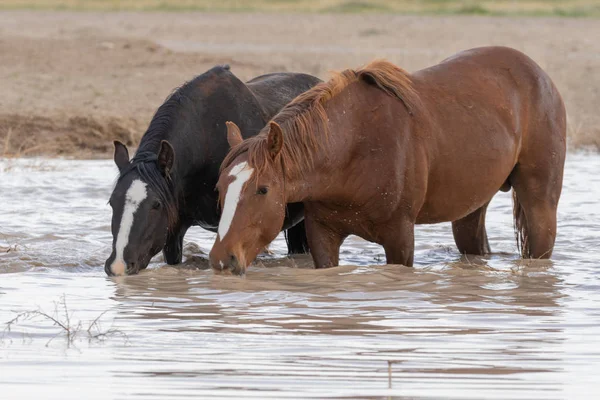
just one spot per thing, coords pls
(71, 82)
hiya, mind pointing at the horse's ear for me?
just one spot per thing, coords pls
(234, 135)
(121, 156)
(166, 157)
(274, 139)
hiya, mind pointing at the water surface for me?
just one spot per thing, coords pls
(452, 326)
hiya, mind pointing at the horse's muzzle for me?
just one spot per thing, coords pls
(231, 265)
(120, 268)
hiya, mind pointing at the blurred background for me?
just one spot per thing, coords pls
(78, 73)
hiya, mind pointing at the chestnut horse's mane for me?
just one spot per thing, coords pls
(304, 120)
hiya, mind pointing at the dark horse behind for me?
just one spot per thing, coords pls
(169, 185)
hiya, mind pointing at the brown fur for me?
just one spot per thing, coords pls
(304, 120)
(520, 220)
(364, 163)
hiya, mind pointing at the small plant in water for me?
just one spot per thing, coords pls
(67, 326)
(9, 247)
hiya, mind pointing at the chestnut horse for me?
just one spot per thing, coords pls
(377, 150)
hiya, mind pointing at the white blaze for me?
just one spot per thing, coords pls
(133, 198)
(241, 173)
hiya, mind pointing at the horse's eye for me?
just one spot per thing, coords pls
(156, 205)
(262, 190)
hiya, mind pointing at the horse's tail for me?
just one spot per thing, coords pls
(296, 239)
(521, 233)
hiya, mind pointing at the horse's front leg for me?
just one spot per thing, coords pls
(296, 239)
(173, 250)
(324, 242)
(399, 243)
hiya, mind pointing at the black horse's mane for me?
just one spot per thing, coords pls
(145, 161)
(163, 119)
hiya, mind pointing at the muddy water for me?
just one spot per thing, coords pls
(456, 327)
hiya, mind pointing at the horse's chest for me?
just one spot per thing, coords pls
(202, 209)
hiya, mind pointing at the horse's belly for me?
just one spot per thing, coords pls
(208, 227)
(437, 210)
(452, 196)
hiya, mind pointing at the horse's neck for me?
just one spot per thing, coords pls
(177, 133)
(326, 170)
(180, 168)
(330, 159)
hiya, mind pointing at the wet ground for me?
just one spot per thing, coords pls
(452, 327)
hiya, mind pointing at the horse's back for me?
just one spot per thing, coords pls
(497, 87)
(538, 110)
(273, 91)
(500, 71)
(485, 110)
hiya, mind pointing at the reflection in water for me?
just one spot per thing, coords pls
(453, 326)
(299, 329)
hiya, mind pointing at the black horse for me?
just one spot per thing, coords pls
(169, 185)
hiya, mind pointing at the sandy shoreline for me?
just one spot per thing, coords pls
(74, 81)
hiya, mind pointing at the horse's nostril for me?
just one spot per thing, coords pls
(228, 263)
(233, 264)
(130, 267)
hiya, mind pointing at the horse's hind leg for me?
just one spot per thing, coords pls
(536, 192)
(296, 239)
(470, 234)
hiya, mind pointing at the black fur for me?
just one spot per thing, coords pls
(192, 119)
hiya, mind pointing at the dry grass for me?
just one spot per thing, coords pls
(9, 249)
(468, 7)
(583, 136)
(67, 326)
(76, 81)
(82, 136)
(8, 246)
(6, 145)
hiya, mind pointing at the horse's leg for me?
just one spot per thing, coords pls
(296, 239)
(399, 244)
(536, 194)
(324, 242)
(469, 233)
(173, 250)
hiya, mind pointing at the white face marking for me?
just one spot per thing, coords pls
(241, 174)
(133, 198)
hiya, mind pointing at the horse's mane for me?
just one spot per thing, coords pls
(145, 161)
(304, 119)
(168, 112)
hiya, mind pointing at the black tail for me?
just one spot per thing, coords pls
(296, 240)
(521, 232)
